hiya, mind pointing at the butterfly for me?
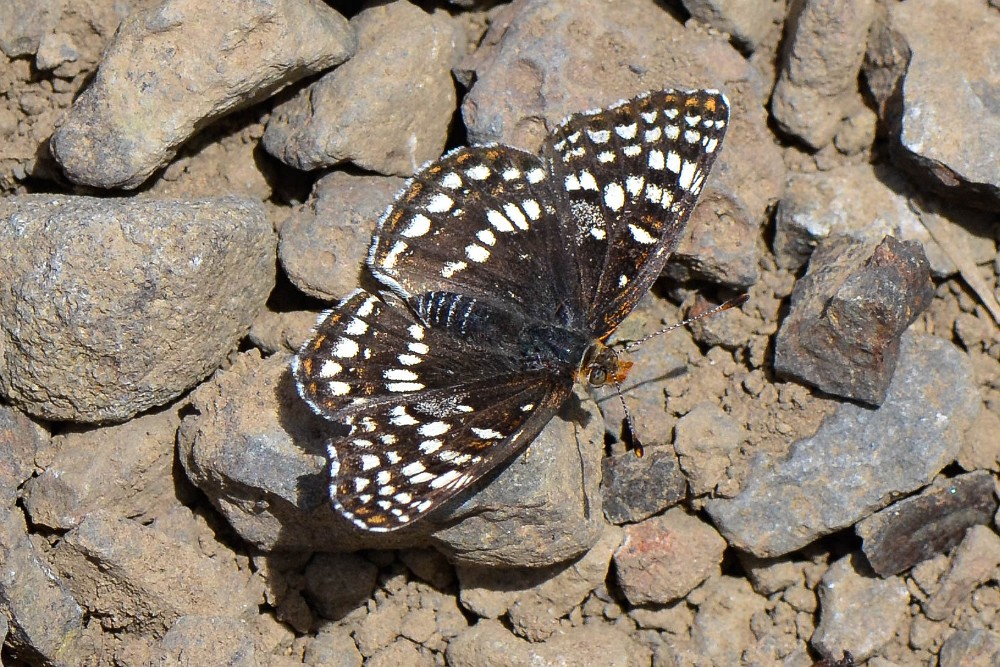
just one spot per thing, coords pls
(504, 274)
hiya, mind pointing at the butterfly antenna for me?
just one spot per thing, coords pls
(735, 302)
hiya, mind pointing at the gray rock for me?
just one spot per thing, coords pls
(112, 307)
(176, 67)
(930, 523)
(847, 313)
(859, 612)
(942, 105)
(489, 644)
(138, 579)
(662, 559)
(258, 453)
(388, 109)
(817, 85)
(337, 584)
(23, 24)
(332, 647)
(750, 24)
(634, 488)
(322, 246)
(860, 459)
(867, 203)
(723, 627)
(542, 64)
(127, 466)
(208, 640)
(46, 622)
(20, 441)
(55, 50)
(535, 613)
(970, 648)
(974, 563)
(707, 441)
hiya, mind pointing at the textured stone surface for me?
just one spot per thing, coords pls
(943, 106)
(842, 331)
(707, 440)
(975, 562)
(817, 87)
(858, 612)
(868, 203)
(635, 488)
(663, 558)
(489, 644)
(127, 466)
(258, 453)
(387, 109)
(932, 522)
(323, 245)
(176, 67)
(112, 307)
(860, 459)
(140, 579)
(750, 24)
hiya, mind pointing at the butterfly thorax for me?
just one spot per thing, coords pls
(526, 343)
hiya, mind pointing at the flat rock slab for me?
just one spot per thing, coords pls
(928, 524)
(111, 307)
(860, 458)
(176, 67)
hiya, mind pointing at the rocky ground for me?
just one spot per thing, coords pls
(185, 185)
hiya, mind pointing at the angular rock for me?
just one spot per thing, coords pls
(941, 106)
(931, 523)
(112, 307)
(388, 109)
(847, 313)
(24, 23)
(662, 559)
(208, 640)
(134, 578)
(337, 584)
(707, 440)
(866, 203)
(489, 592)
(555, 57)
(259, 454)
(174, 68)
(46, 622)
(970, 648)
(975, 562)
(635, 488)
(860, 459)
(323, 247)
(489, 644)
(750, 24)
(535, 614)
(127, 466)
(859, 613)
(722, 629)
(817, 85)
(20, 440)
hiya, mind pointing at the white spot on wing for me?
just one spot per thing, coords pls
(369, 461)
(419, 225)
(477, 253)
(345, 348)
(434, 429)
(614, 196)
(641, 235)
(440, 203)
